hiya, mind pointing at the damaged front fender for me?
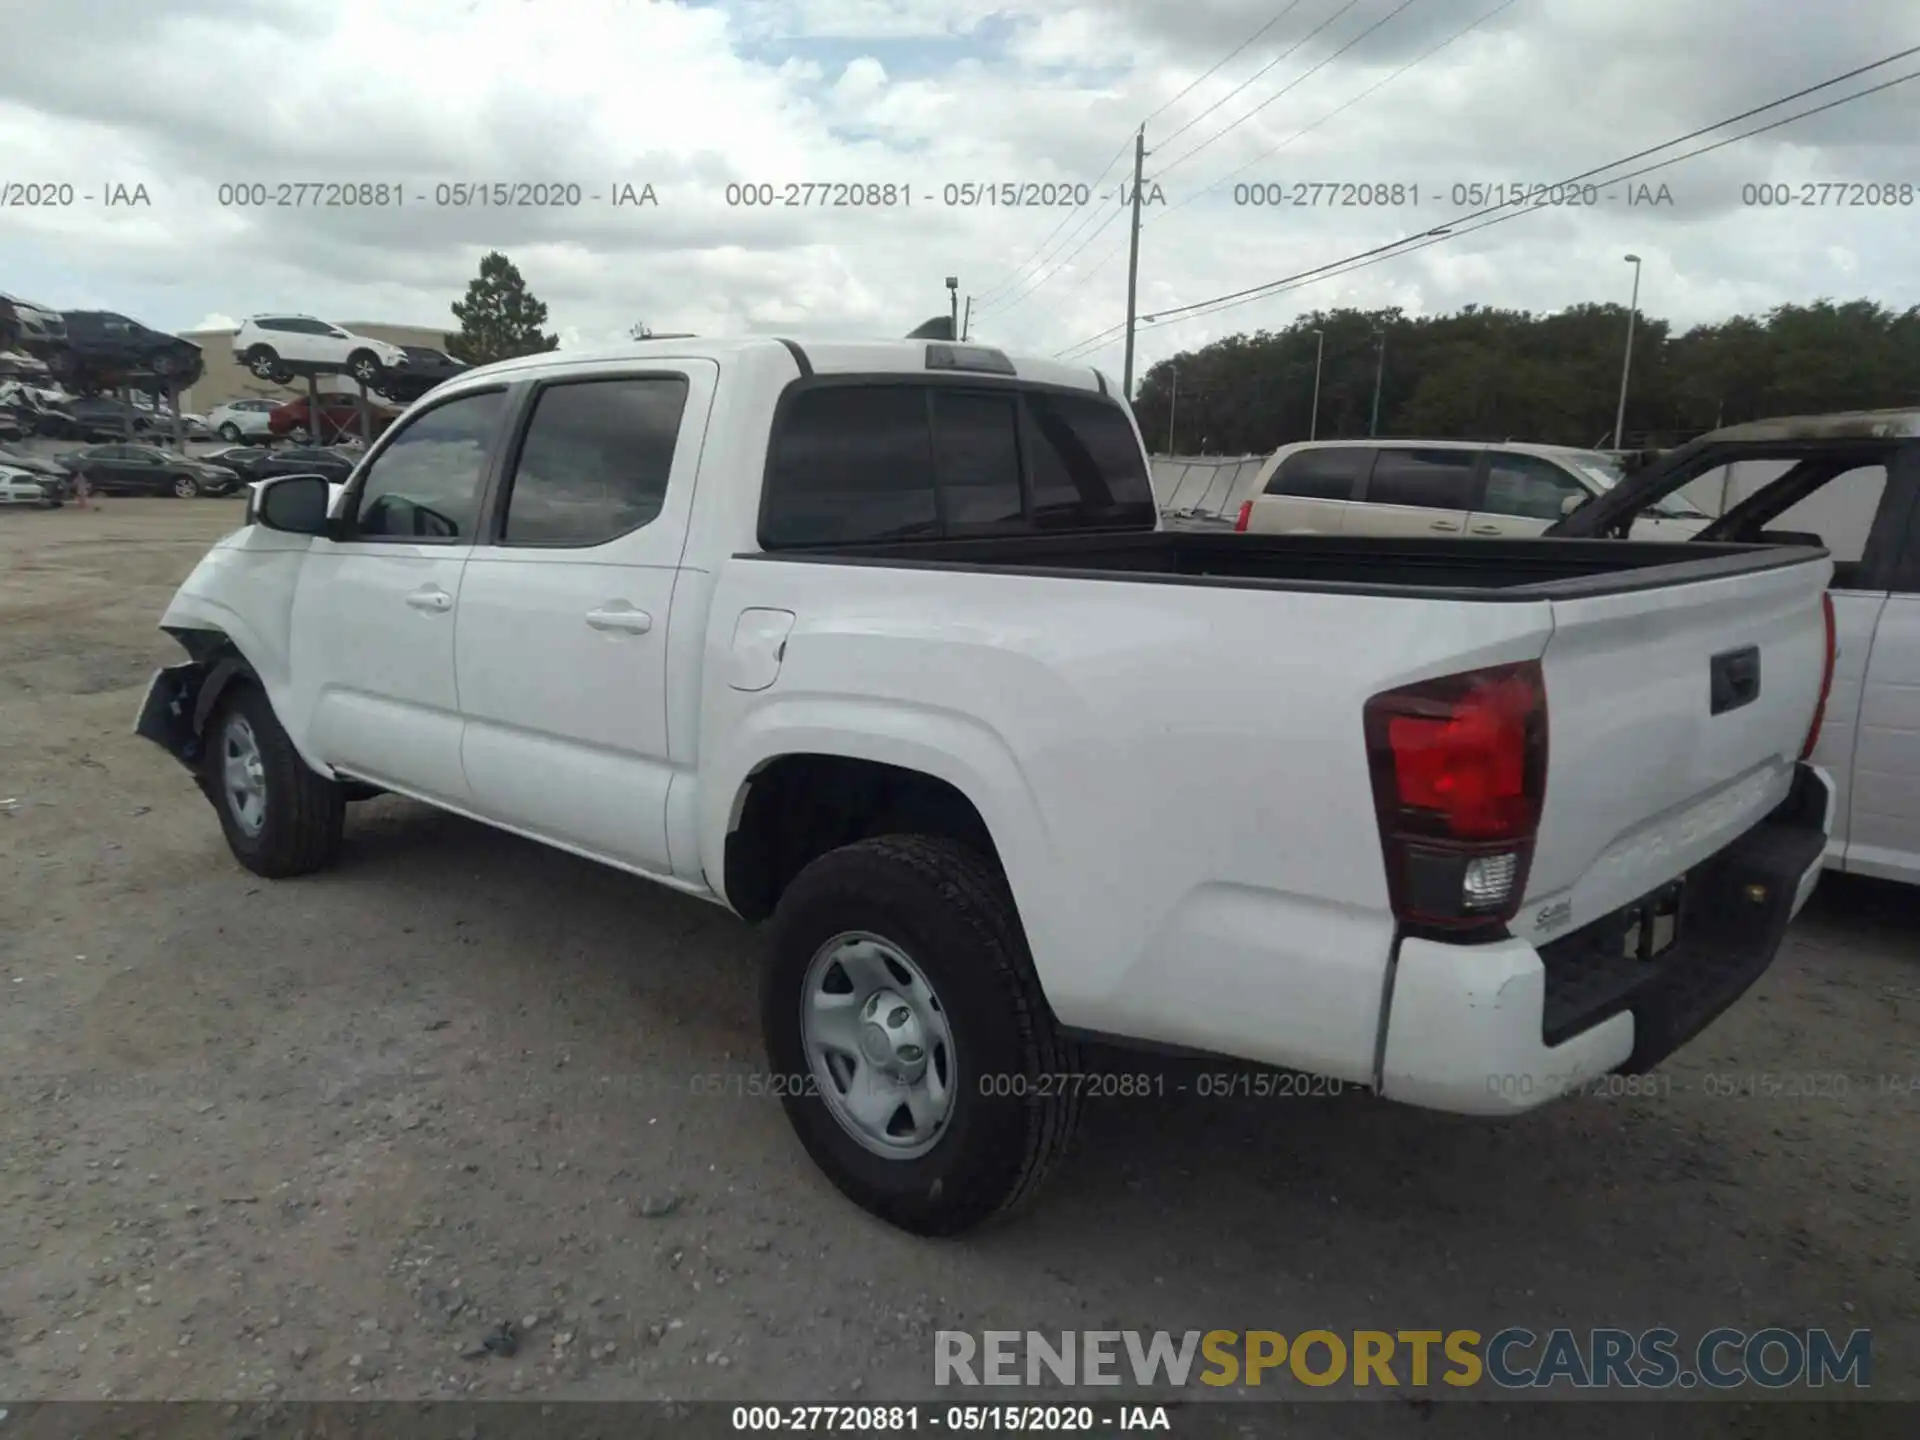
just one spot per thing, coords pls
(180, 698)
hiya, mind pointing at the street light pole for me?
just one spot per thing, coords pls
(1319, 354)
(1379, 375)
(1626, 363)
(953, 307)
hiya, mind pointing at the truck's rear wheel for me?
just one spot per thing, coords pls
(280, 817)
(908, 1036)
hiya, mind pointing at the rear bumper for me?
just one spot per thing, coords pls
(1500, 1028)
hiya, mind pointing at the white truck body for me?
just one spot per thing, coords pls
(1170, 769)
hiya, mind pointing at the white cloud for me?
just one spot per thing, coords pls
(921, 94)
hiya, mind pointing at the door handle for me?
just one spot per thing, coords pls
(1445, 525)
(438, 601)
(620, 616)
(1486, 529)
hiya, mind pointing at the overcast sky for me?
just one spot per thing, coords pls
(190, 95)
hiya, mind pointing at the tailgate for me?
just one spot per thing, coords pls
(1675, 717)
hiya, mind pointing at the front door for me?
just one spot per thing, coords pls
(375, 612)
(1524, 494)
(562, 647)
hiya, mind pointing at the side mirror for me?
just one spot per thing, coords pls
(295, 504)
(1571, 504)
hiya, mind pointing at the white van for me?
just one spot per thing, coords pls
(1444, 487)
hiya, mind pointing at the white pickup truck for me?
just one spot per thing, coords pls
(883, 642)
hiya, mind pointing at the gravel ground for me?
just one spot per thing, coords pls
(320, 1139)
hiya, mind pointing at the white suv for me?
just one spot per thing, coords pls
(278, 347)
(239, 420)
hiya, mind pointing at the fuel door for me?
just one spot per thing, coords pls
(759, 645)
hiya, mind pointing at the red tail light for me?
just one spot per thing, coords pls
(1246, 514)
(1826, 678)
(1459, 778)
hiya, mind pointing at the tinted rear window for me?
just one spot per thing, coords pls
(865, 462)
(1086, 465)
(1329, 474)
(851, 464)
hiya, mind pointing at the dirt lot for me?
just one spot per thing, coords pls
(316, 1139)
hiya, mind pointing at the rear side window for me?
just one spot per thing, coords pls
(1321, 474)
(1423, 479)
(858, 463)
(1087, 467)
(851, 464)
(595, 461)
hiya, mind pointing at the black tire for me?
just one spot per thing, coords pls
(365, 367)
(263, 362)
(948, 908)
(184, 487)
(304, 812)
(230, 433)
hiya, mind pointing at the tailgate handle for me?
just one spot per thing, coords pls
(1736, 679)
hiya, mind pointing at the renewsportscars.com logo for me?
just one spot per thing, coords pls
(1510, 1359)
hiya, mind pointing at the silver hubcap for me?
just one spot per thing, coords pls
(183, 488)
(244, 775)
(877, 1042)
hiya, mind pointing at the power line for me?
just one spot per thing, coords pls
(1341, 109)
(1448, 230)
(1261, 71)
(1222, 61)
(1306, 75)
(1035, 282)
(1014, 276)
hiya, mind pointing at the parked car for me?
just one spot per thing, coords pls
(1850, 483)
(426, 369)
(23, 487)
(899, 657)
(241, 460)
(339, 418)
(13, 427)
(94, 417)
(239, 420)
(37, 329)
(278, 347)
(44, 466)
(1442, 487)
(19, 365)
(303, 460)
(105, 348)
(148, 470)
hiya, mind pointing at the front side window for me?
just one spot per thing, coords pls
(1528, 487)
(426, 483)
(595, 461)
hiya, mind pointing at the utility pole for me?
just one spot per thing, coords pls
(1319, 354)
(1379, 374)
(1173, 407)
(1133, 260)
(953, 307)
(966, 319)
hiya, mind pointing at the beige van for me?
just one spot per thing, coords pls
(1435, 487)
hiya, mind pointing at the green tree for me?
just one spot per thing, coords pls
(499, 319)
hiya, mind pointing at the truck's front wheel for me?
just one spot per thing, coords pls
(280, 817)
(908, 1037)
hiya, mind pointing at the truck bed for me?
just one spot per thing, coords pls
(1440, 568)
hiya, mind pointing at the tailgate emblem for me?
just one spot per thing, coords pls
(1552, 917)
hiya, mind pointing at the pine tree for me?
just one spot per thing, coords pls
(499, 319)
